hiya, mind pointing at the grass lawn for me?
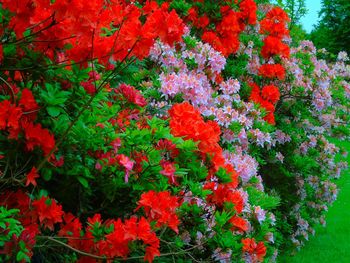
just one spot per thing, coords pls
(331, 243)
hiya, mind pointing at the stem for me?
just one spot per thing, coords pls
(122, 259)
(10, 88)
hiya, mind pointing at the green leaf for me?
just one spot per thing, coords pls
(46, 174)
(53, 111)
(22, 256)
(83, 181)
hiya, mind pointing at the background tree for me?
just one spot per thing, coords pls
(296, 9)
(333, 30)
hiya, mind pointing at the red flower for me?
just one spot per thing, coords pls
(199, 22)
(257, 251)
(187, 122)
(248, 10)
(141, 230)
(160, 207)
(89, 87)
(35, 135)
(277, 14)
(270, 93)
(270, 118)
(116, 244)
(49, 211)
(9, 116)
(33, 174)
(29, 105)
(224, 193)
(238, 223)
(273, 28)
(233, 174)
(27, 101)
(71, 228)
(132, 95)
(272, 71)
(139, 159)
(167, 145)
(274, 46)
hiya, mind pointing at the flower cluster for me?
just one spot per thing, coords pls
(225, 37)
(170, 146)
(107, 31)
(17, 119)
(160, 207)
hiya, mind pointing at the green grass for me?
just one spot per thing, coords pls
(331, 243)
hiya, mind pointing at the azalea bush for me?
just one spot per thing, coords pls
(162, 131)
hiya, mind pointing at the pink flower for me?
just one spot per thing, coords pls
(260, 214)
(280, 157)
(127, 163)
(116, 144)
(168, 170)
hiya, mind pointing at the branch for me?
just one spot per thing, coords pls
(10, 88)
(122, 259)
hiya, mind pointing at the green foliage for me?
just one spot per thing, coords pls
(333, 30)
(10, 227)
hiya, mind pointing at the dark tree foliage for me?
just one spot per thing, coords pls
(333, 30)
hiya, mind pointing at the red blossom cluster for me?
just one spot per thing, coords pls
(167, 146)
(132, 95)
(109, 239)
(274, 46)
(124, 118)
(139, 158)
(256, 251)
(272, 71)
(222, 193)
(48, 211)
(93, 29)
(18, 119)
(198, 21)
(239, 224)
(160, 207)
(90, 85)
(274, 25)
(225, 37)
(44, 211)
(187, 122)
(266, 97)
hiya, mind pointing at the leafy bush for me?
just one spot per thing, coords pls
(130, 133)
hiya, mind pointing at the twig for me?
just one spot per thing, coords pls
(10, 88)
(185, 251)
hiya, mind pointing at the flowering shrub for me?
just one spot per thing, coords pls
(125, 137)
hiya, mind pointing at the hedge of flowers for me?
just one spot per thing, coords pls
(163, 131)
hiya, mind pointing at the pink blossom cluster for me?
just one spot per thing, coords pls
(195, 87)
(244, 164)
